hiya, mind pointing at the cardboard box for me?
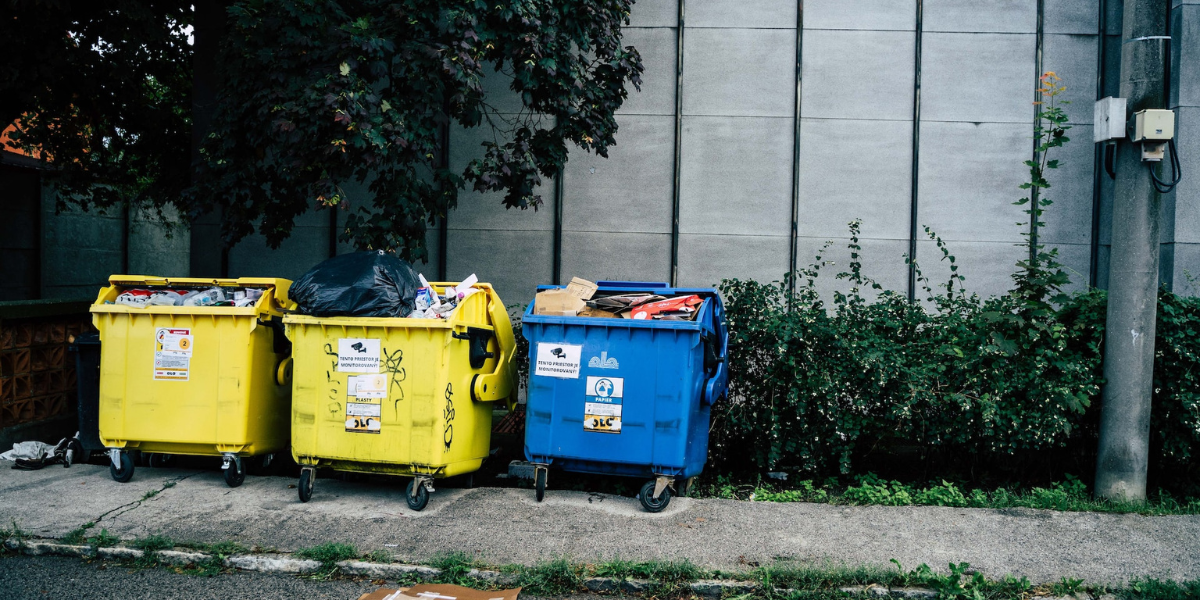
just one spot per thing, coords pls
(557, 303)
(439, 592)
(582, 288)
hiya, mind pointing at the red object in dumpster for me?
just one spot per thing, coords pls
(670, 305)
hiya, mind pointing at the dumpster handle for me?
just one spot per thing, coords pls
(478, 339)
(499, 384)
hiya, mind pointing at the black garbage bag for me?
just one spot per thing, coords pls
(360, 284)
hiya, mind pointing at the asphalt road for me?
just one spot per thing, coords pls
(29, 578)
(501, 525)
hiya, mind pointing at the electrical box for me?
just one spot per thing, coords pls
(1109, 121)
(1153, 124)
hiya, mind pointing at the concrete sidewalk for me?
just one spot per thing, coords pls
(508, 526)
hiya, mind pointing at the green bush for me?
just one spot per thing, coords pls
(814, 385)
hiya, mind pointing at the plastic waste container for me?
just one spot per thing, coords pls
(400, 396)
(87, 369)
(619, 396)
(208, 380)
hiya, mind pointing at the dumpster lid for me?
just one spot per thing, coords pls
(656, 287)
(153, 281)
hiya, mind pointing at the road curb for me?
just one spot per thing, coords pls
(279, 563)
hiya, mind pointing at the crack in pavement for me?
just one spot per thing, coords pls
(167, 484)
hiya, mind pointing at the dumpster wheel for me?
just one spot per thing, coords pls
(308, 478)
(540, 474)
(418, 499)
(235, 472)
(124, 472)
(646, 497)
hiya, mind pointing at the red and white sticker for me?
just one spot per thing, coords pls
(173, 353)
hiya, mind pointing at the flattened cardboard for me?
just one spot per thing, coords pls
(439, 591)
(557, 303)
(582, 288)
(598, 312)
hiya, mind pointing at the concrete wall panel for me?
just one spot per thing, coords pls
(629, 191)
(855, 170)
(739, 72)
(1071, 16)
(1186, 267)
(515, 262)
(1187, 193)
(986, 266)
(899, 15)
(760, 14)
(654, 13)
(736, 176)
(625, 257)
(486, 210)
(1069, 219)
(969, 178)
(882, 261)
(704, 260)
(1185, 29)
(992, 16)
(1073, 58)
(858, 74)
(306, 247)
(977, 77)
(657, 47)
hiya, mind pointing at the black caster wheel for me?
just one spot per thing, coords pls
(468, 481)
(539, 483)
(649, 503)
(420, 499)
(126, 472)
(236, 473)
(308, 478)
(160, 461)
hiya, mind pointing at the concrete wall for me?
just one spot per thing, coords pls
(1181, 256)
(710, 167)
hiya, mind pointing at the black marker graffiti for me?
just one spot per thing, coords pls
(391, 364)
(448, 413)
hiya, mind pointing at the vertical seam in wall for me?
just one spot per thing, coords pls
(444, 221)
(794, 251)
(1098, 150)
(333, 234)
(128, 233)
(678, 146)
(558, 226)
(1034, 192)
(918, 29)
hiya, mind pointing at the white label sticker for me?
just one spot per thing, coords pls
(363, 418)
(172, 353)
(369, 386)
(358, 355)
(558, 360)
(601, 410)
(606, 387)
(602, 404)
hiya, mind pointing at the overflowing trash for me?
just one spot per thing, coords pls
(579, 299)
(358, 284)
(213, 296)
(431, 304)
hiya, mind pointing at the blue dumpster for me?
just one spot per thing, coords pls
(628, 397)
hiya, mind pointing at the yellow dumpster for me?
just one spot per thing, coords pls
(400, 396)
(210, 378)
